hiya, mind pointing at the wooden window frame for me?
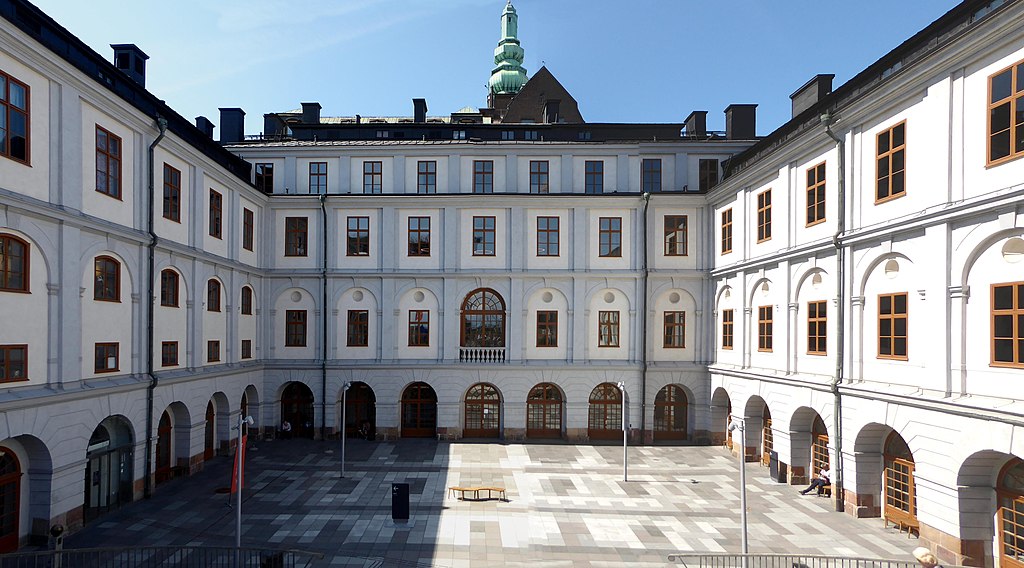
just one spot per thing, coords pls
(606, 237)
(97, 357)
(296, 236)
(891, 151)
(168, 353)
(169, 288)
(816, 176)
(765, 328)
(216, 214)
(480, 235)
(707, 173)
(5, 366)
(246, 301)
(673, 329)
(764, 216)
(650, 176)
(728, 328)
(246, 349)
(213, 294)
(213, 351)
(547, 327)
(248, 229)
(426, 176)
(1015, 106)
(680, 228)
(111, 154)
(295, 328)
(172, 193)
(727, 231)
(608, 329)
(357, 237)
(893, 317)
(419, 328)
(483, 176)
(548, 235)
(8, 110)
(418, 227)
(358, 332)
(1016, 313)
(817, 327)
(263, 179)
(482, 315)
(373, 177)
(317, 178)
(7, 240)
(540, 179)
(97, 293)
(593, 177)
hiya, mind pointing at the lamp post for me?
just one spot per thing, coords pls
(625, 432)
(344, 424)
(238, 494)
(738, 424)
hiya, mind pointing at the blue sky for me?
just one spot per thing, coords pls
(623, 60)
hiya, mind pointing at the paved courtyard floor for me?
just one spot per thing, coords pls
(567, 507)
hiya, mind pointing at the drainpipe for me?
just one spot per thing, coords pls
(161, 124)
(828, 120)
(643, 325)
(323, 341)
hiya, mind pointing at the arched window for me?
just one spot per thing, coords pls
(212, 295)
(767, 438)
(670, 413)
(483, 319)
(107, 283)
(819, 447)
(544, 412)
(1010, 493)
(10, 500)
(483, 412)
(13, 264)
(605, 416)
(169, 288)
(246, 301)
(900, 499)
(163, 448)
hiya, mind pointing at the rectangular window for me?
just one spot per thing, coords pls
(1006, 114)
(483, 176)
(419, 236)
(295, 328)
(650, 175)
(213, 351)
(458, 134)
(610, 236)
(246, 301)
(358, 328)
(108, 162)
(547, 328)
(14, 114)
(890, 162)
(675, 235)
(707, 174)
(764, 215)
(169, 288)
(106, 358)
(373, 177)
(816, 194)
(483, 236)
(531, 135)
(817, 317)
(508, 135)
(169, 353)
(764, 328)
(727, 323)
(296, 236)
(727, 231)
(892, 326)
(419, 328)
(547, 236)
(539, 176)
(675, 330)
(172, 194)
(318, 178)
(216, 213)
(246, 349)
(13, 363)
(264, 177)
(593, 181)
(106, 279)
(358, 239)
(426, 177)
(1008, 324)
(248, 224)
(608, 329)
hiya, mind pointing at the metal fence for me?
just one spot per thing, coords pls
(161, 556)
(783, 561)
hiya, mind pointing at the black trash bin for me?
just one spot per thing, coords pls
(776, 469)
(399, 501)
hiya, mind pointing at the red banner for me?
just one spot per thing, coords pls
(239, 455)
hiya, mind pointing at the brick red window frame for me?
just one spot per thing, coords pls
(108, 162)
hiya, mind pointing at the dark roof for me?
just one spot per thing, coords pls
(51, 35)
(529, 103)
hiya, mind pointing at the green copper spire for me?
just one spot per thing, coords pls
(508, 76)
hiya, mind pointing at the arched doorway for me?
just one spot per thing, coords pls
(544, 406)
(605, 416)
(244, 408)
(721, 409)
(767, 438)
(483, 412)
(297, 409)
(10, 500)
(109, 467)
(163, 448)
(819, 447)
(360, 411)
(482, 335)
(900, 499)
(1010, 498)
(419, 411)
(210, 432)
(670, 414)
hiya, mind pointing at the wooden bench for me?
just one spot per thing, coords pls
(491, 490)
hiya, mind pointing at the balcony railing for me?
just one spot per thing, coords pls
(692, 560)
(481, 354)
(160, 556)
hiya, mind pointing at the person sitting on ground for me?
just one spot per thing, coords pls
(286, 429)
(824, 478)
(926, 558)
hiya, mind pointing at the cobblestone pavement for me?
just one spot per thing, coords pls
(567, 507)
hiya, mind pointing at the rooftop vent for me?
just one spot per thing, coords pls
(811, 92)
(130, 59)
(232, 125)
(697, 124)
(741, 122)
(419, 110)
(204, 124)
(311, 113)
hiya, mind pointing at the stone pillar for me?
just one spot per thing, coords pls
(863, 489)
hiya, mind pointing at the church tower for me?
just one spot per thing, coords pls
(508, 76)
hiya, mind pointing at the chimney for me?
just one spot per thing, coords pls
(697, 124)
(232, 125)
(813, 91)
(419, 110)
(204, 124)
(311, 113)
(551, 111)
(130, 59)
(272, 125)
(741, 122)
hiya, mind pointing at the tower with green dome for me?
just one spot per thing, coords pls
(508, 76)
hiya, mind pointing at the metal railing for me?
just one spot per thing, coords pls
(783, 561)
(160, 556)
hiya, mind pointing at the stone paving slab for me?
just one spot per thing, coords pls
(567, 507)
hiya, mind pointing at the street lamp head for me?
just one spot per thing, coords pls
(621, 385)
(734, 425)
(347, 385)
(248, 420)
